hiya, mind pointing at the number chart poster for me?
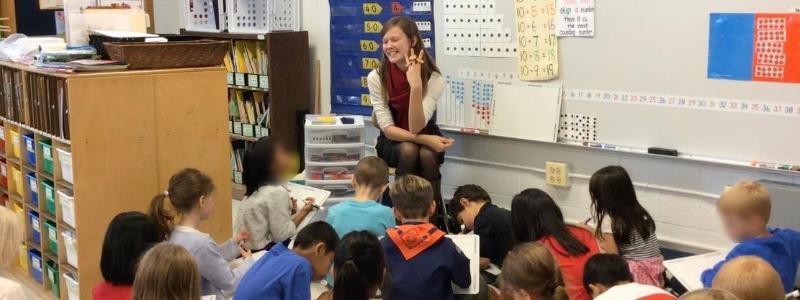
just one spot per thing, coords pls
(536, 39)
(757, 47)
(356, 45)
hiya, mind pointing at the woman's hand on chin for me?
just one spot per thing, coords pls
(437, 143)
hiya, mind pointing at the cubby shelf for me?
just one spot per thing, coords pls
(121, 156)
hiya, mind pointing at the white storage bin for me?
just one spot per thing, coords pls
(334, 153)
(338, 188)
(330, 171)
(335, 133)
(65, 157)
(67, 207)
(71, 245)
(73, 290)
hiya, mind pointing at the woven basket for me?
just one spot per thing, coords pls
(200, 53)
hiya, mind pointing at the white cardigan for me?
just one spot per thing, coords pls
(267, 215)
(380, 106)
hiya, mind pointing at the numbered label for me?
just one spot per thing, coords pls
(364, 81)
(369, 46)
(365, 100)
(372, 27)
(369, 63)
(372, 9)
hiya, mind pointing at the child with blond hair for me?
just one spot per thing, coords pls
(745, 210)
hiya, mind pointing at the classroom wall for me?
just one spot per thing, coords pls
(680, 195)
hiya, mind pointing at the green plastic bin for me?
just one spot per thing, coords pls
(47, 154)
(49, 196)
(52, 276)
(52, 236)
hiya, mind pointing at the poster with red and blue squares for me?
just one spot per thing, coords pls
(757, 47)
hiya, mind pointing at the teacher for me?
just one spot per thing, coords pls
(404, 91)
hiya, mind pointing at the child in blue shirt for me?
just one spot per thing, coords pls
(745, 211)
(422, 262)
(287, 274)
(364, 212)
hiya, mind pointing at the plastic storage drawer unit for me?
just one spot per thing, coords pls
(330, 172)
(52, 277)
(71, 245)
(47, 156)
(334, 153)
(65, 158)
(30, 149)
(334, 133)
(36, 265)
(52, 236)
(67, 202)
(73, 289)
(34, 185)
(36, 229)
(49, 196)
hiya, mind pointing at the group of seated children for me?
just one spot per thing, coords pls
(397, 253)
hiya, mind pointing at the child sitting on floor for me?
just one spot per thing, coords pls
(607, 277)
(745, 210)
(472, 206)
(422, 262)
(287, 274)
(623, 226)
(363, 212)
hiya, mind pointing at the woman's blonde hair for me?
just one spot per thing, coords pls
(11, 234)
(532, 268)
(167, 271)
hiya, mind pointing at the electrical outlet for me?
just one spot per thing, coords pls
(557, 174)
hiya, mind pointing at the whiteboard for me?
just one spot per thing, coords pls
(541, 120)
(660, 47)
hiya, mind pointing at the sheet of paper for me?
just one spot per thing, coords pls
(494, 270)
(575, 18)
(688, 269)
(302, 192)
(537, 44)
(528, 112)
(470, 245)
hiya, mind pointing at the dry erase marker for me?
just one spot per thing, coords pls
(471, 130)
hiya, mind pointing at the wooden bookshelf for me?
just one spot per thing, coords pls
(126, 132)
(288, 92)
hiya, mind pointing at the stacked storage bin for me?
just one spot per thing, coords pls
(332, 150)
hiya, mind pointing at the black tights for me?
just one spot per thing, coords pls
(418, 160)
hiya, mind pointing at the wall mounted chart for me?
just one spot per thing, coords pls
(356, 45)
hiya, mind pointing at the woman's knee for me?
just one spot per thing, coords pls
(429, 158)
(409, 150)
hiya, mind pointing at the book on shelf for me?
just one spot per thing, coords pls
(248, 112)
(247, 57)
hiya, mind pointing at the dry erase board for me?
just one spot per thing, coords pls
(654, 54)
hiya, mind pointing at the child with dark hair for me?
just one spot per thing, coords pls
(287, 274)
(422, 262)
(607, 277)
(128, 237)
(190, 194)
(623, 226)
(358, 266)
(472, 206)
(535, 217)
(267, 211)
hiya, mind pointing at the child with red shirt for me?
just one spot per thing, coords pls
(535, 217)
